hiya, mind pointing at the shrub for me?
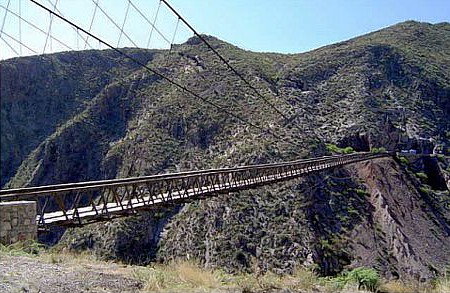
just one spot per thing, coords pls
(425, 189)
(422, 176)
(363, 278)
(24, 248)
(335, 149)
(403, 160)
(442, 285)
(332, 148)
(441, 157)
(366, 278)
(361, 192)
(376, 150)
(348, 150)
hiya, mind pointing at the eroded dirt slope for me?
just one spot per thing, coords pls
(404, 234)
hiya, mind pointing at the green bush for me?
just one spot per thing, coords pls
(441, 158)
(404, 160)
(361, 192)
(366, 278)
(376, 150)
(335, 149)
(422, 176)
(348, 150)
(425, 189)
(363, 278)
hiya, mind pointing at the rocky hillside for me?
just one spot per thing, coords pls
(92, 115)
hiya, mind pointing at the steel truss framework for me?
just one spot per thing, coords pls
(77, 204)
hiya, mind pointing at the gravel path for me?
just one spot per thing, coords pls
(25, 274)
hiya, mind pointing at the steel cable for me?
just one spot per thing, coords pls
(17, 41)
(4, 18)
(76, 31)
(123, 24)
(225, 61)
(35, 27)
(162, 76)
(49, 28)
(9, 45)
(92, 22)
(112, 20)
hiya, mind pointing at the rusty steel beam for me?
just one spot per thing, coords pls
(77, 204)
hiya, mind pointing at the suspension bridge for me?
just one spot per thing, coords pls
(82, 203)
(78, 204)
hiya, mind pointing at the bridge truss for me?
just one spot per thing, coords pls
(78, 204)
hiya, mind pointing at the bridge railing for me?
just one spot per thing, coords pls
(84, 202)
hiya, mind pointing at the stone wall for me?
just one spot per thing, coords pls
(17, 221)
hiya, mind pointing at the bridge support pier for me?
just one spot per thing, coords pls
(17, 221)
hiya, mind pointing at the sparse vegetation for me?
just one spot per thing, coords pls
(177, 276)
(441, 158)
(422, 176)
(376, 150)
(364, 278)
(426, 189)
(24, 248)
(403, 160)
(362, 192)
(189, 276)
(337, 150)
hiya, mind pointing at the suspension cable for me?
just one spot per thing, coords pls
(76, 31)
(9, 45)
(4, 18)
(17, 41)
(162, 76)
(152, 24)
(123, 24)
(92, 22)
(49, 28)
(35, 27)
(115, 24)
(20, 26)
(225, 61)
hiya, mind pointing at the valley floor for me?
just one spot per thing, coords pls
(26, 274)
(66, 272)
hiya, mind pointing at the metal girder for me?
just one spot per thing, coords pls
(86, 202)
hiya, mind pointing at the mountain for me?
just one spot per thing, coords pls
(91, 115)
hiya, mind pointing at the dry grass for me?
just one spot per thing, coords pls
(301, 279)
(85, 260)
(67, 257)
(193, 275)
(188, 276)
(396, 287)
(442, 285)
(25, 248)
(184, 276)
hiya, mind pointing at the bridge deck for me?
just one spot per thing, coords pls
(87, 202)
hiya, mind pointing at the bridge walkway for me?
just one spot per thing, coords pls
(77, 204)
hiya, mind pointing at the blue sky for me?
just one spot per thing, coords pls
(286, 26)
(297, 26)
